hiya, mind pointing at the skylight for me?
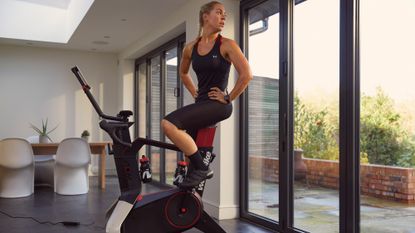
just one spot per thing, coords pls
(63, 4)
(41, 20)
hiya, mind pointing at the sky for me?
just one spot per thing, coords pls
(387, 48)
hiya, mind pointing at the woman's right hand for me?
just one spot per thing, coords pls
(195, 94)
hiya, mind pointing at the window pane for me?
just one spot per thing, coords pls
(387, 126)
(155, 116)
(142, 119)
(316, 115)
(171, 91)
(171, 80)
(263, 100)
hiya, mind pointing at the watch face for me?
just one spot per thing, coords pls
(227, 98)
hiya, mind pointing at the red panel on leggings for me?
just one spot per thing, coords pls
(205, 137)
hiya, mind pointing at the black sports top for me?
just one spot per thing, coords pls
(212, 69)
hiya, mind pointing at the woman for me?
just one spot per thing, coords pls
(211, 56)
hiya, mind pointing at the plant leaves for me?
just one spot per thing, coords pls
(52, 129)
(43, 131)
(36, 129)
(50, 139)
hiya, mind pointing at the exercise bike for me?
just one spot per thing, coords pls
(174, 210)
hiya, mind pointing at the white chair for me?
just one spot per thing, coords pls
(43, 166)
(71, 167)
(16, 168)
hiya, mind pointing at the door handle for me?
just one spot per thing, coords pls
(176, 92)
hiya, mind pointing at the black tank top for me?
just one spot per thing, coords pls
(212, 69)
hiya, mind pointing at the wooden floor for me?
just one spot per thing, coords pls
(42, 212)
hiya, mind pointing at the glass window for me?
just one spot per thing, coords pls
(142, 92)
(155, 115)
(263, 102)
(159, 93)
(172, 103)
(316, 115)
(387, 113)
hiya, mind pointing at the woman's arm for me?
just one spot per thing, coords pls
(184, 70)
(235, 55)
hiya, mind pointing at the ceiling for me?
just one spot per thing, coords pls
(110, 26)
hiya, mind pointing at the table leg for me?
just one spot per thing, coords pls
(102, 168)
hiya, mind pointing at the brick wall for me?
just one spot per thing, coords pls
(324, 173)
(386, 182)
(264, 168)
(392, 183)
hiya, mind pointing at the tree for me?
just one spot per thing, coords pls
(382, 136)
(313, 133)
(383, 139)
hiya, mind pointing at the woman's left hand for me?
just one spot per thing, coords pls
(217, 94)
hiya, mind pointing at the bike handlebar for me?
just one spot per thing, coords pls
(91, 98)
(112, 127)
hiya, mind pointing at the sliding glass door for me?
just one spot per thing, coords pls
(261, 101)
(155, 115)
(172, 102)
(140, 100)
(387, 129)
(159, 89)
(316, 115)
(299, 140)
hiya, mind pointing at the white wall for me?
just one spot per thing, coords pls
(221, 198)
(36, 83)
(126, 72)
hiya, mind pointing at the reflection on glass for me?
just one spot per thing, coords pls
(171, 91)
(316, 116)
(263, 110)
(155, 116)
(387, 113)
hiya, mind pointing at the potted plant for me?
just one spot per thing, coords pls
(43, 131)
(85, 135)
(300, 168)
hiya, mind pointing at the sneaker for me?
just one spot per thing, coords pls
(195, 177)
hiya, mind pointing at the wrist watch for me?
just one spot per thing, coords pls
(227, 98)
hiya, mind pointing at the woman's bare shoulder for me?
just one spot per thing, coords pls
(189, 46)
(227, 42)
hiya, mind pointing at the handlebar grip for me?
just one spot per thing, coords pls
(75, 70)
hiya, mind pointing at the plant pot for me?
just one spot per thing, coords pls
(43, 139)
(86, 138)
(300, 168)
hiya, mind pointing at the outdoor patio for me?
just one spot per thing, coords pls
(317, 209)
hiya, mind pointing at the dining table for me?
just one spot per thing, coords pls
(99, 148)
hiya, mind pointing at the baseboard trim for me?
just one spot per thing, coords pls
(223, 212)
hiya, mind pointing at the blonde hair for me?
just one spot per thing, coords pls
(205, 9)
